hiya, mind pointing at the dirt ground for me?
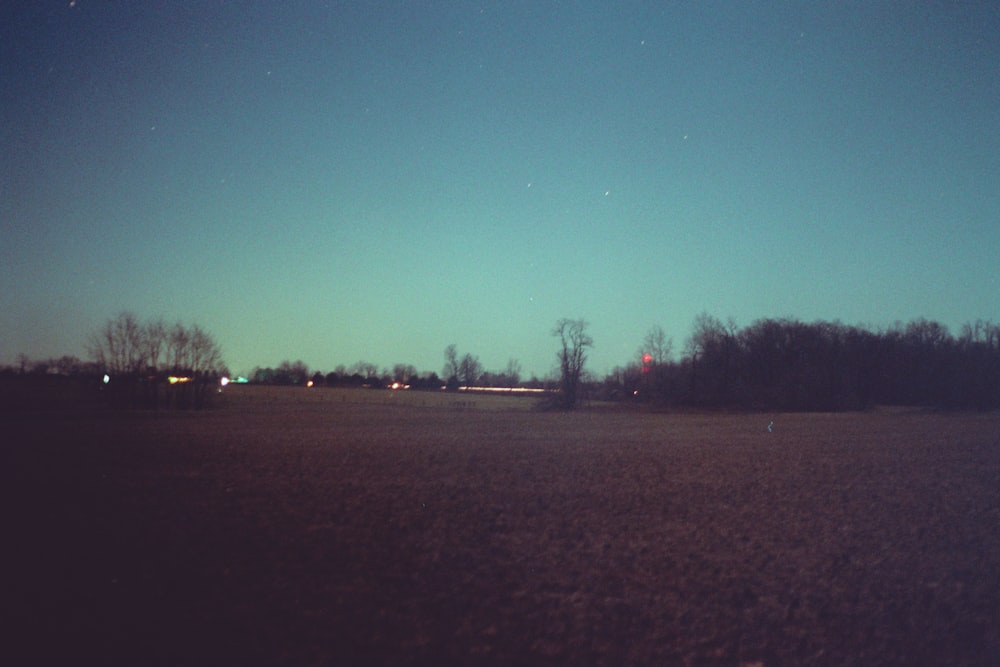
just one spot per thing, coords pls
(358, 528)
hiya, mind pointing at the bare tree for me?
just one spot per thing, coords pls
(469, 370)
(118, 345)
(126, 347)
(512, 374)
(154, 337)
(68, 365)
(205, 356)
(713, 352)
(365, 369)
(707, 333)
(178, 348)
(657, 346)
(292, 372)
(450, 362)
(574, 341)
(403, 372)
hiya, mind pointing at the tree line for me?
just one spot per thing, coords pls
(772, 364)
(126, 346)
(140, 364)
(786, 364)
(464, 371)
(460, 370)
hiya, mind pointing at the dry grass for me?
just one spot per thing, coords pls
(348, 527)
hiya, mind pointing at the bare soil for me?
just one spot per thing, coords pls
(361, 528)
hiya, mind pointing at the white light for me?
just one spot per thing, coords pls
(107, 378)
(224, 381)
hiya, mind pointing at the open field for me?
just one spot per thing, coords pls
(351, 527)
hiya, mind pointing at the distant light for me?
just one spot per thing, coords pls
(174, 379)
(309, 383)
(501, 390)
(224, 381)
(395, 385)
(107, 378)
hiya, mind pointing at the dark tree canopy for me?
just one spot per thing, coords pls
(785, 364)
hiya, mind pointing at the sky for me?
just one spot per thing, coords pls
(345, 181)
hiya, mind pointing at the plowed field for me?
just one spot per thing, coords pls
(358, 528)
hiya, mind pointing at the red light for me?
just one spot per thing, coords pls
(647, 359)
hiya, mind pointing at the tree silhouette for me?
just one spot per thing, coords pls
(118, 345)
(786, 364)
(469, 370)
(130, 352)
(573, 341)
(451, 370)
(657, 346)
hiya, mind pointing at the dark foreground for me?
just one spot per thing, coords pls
(339, 533)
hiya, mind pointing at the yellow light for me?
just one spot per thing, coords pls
(173, 379)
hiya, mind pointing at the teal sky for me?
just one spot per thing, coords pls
(334, 182)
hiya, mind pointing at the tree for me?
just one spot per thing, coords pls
(469, 370)
(654, 356)
(574, 341)
(205, 356)
(512, 374)
(713, 352)
(118, 345)
(292, 372)
(127, 349)
(365, 369)
(403, 372)
(450, 362)
(657, 346)
(154, 337)
(68, 365)
(178, 352)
